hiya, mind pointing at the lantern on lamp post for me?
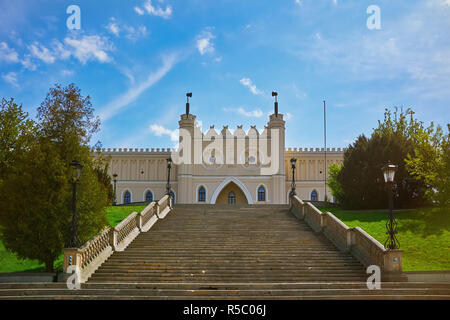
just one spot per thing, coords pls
(391, 225)
(293, 162)
(76, 173)
(115, 175)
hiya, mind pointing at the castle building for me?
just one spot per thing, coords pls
(223, 167)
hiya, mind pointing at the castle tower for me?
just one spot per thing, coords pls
(276, 130)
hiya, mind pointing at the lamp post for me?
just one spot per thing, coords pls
(76, 173)
(293, 193)
(115, 175)
(389, 173)
(169, 166)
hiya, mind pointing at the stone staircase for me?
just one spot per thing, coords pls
(223, 252)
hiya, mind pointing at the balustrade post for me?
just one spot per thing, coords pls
(139, 221)
(157, 209)
(113, 238)
(72, 257)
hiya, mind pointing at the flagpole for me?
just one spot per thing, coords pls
(325, 144)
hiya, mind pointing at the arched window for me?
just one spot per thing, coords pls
(231, 198)
(149, 196)
(172, 195)
(127, 197)
(201, 194)
(314, 196)
(261, 194)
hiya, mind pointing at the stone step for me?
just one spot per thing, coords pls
(225, 286)
(224, 293)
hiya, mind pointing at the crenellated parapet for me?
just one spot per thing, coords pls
(315, 150)
(133, 151)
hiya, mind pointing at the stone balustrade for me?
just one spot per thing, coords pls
(354, 240)
(94, 252)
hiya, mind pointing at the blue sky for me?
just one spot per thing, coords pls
(138, 58)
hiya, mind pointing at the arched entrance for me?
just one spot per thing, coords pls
(231, 188)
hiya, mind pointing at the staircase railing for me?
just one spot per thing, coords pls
(89, 257)
(353, 240)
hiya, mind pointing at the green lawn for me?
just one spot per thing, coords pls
(9, 262)
(424, 234)
(117, 214)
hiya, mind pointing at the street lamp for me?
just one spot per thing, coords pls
(389, 173)
(76, 173)
(169, 166)
(293, 193)
(115, 175)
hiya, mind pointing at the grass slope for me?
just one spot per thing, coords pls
(9, 262)
(424, 234)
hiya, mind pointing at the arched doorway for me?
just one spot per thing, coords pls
(239, 191)
(231, 194)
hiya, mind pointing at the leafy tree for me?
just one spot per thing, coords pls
(333, 183)
(36, 196)
(16, 133)
(430, 162)
(361, 178)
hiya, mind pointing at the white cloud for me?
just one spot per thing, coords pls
(89, 48)
(257, 113)
(67, 72)
(299, 2)
(113, 27)
(8, 54)
(246, 82)
(139, 11)
(254, 113)
(204, 44)
(134, 34)
(133, 93)
(154, 11)
(159, 131)
(11, 78)
(41, 52)
(288, 116)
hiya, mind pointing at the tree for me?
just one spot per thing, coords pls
(333, 183)
(36, 196)
(361, 178)
(431, 163)
(16, 133)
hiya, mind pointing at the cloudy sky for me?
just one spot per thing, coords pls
(138, 58)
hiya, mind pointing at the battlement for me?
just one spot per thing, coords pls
(134, 150)
(160, 151)
(239, 132)
(315, 150)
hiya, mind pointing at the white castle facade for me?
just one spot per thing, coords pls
(222, 167)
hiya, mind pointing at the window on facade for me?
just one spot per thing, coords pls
(261, 194)
(201, 194)
(149, 196)
(314, 196)
(231, 198)
(127, 197)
